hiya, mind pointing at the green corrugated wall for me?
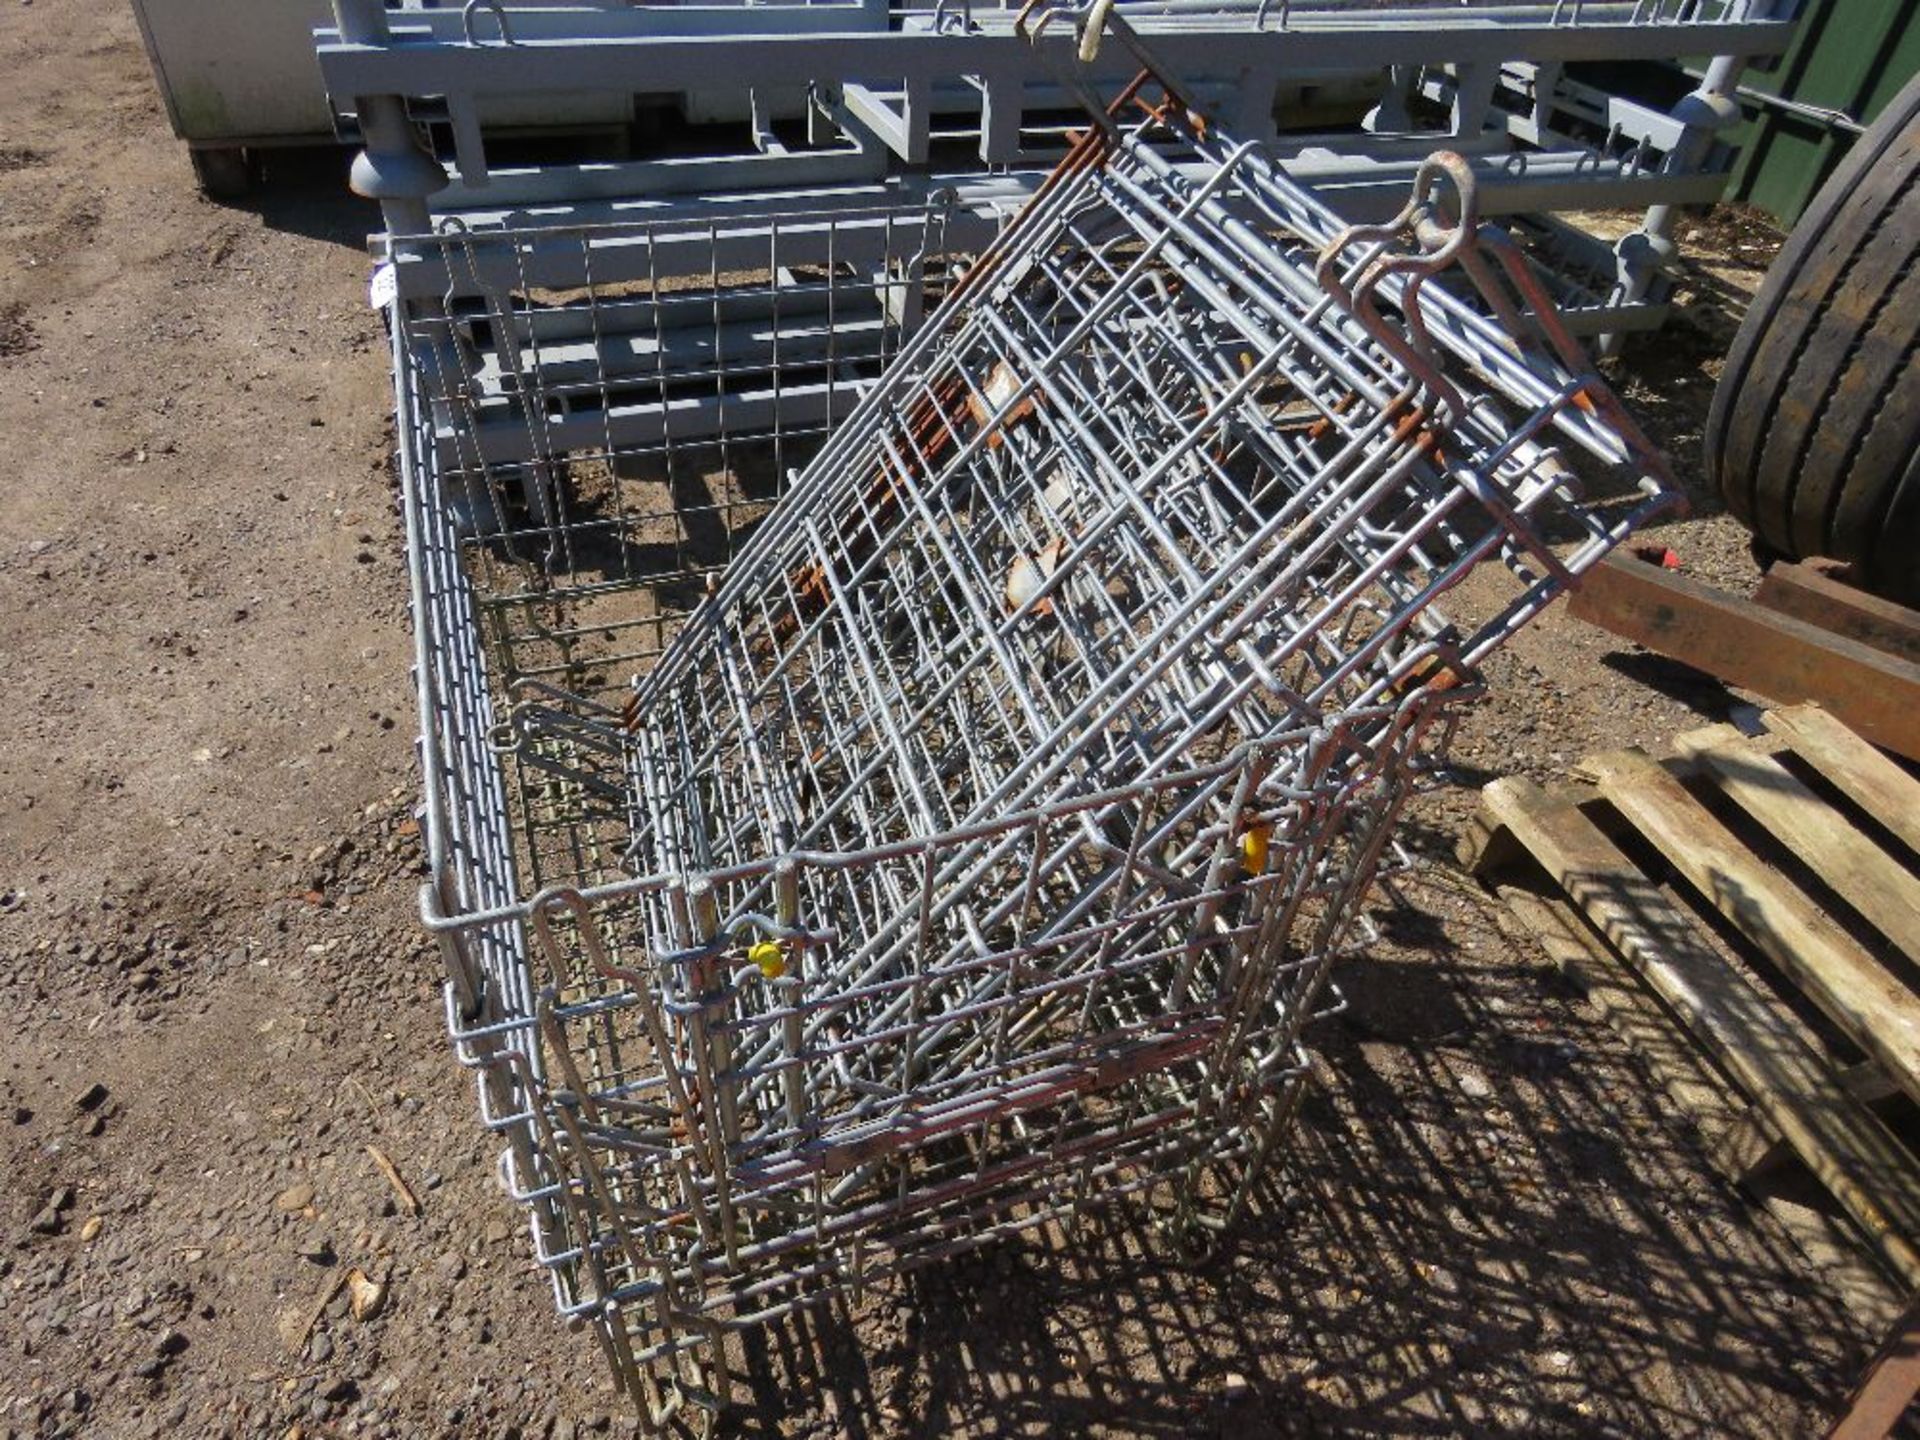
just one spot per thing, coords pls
(1849, 57)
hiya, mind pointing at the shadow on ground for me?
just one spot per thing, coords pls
(302, 190)
(1486, 1225)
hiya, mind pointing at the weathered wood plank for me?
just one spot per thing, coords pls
(1875, 1009)
(1860, 772)
(1878, 885)
(1744, 644)
(1870, 1293)
(1750, 1146)
(1682, 1071)
(1811, 590)
(1721, 1117)
(1750, 1034)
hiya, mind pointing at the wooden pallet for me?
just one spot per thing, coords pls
(1773, 1002)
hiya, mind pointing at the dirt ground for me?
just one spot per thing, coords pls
(218, 1002)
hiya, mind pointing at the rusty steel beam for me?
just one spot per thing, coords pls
(1887, 1388)
(1817, 592)
(1783, 657)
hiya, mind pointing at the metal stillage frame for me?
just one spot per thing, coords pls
(894, 98)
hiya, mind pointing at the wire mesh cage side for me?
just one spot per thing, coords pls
(1151, 487)
(707, 1146)
(549, 550)
(607, 412)
(992, 801)
(571, 1092)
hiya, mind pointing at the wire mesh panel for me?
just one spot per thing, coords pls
(989, 803)
(606, 412)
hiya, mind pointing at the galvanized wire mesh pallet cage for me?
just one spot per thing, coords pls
(986, 810)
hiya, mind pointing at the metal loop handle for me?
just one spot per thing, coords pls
(642, 986)
(499, 19)
(948, 20)
(569, 898)
(1092, 28)
(1440, 244)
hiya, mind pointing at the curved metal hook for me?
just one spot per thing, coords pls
(947, 21)
(1439, 243)
(1093, 28)
(569, 898)
(1260, 15)
(499, 19)
(1047, 16)
(1020, 18)
(642, 987)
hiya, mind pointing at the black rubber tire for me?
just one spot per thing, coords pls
(225, 172)
(1814, 436)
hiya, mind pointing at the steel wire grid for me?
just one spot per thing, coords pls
(538, 584)
(1001, 804)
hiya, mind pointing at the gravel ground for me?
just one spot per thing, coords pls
(219, 1004)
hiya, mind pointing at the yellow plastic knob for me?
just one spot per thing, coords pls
(770, 958)
(1253, 848)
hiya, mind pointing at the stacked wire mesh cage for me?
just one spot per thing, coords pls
(908, 733)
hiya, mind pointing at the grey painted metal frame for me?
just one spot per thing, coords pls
(886, 94)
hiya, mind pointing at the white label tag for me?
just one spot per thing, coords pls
(382, 289)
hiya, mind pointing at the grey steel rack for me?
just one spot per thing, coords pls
(899, 103)
(917, 681)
